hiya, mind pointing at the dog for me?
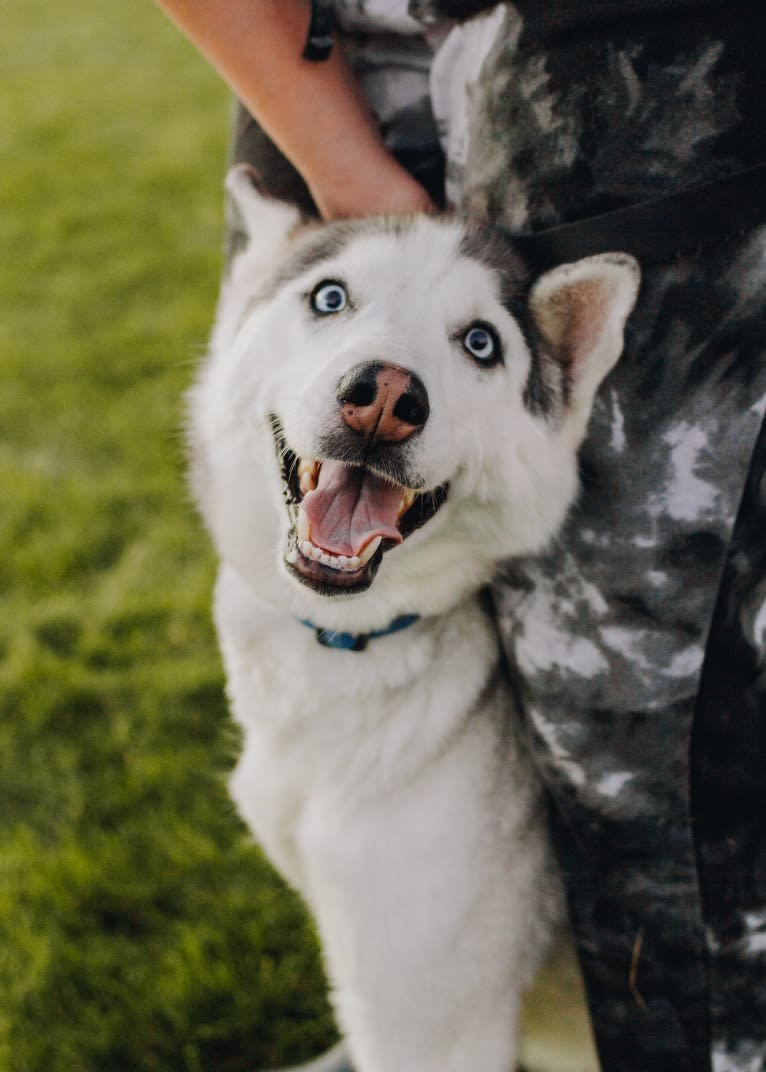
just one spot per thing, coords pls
(389, 409)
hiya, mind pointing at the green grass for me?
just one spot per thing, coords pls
(139, 928)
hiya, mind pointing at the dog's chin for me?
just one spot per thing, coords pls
(325, 571)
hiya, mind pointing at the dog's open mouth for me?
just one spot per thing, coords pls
(343, 518)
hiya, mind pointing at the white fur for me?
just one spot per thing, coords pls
(390, 786)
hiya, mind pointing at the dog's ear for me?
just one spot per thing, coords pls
(265, 221)
(580, 310)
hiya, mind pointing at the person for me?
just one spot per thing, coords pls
(637, 646)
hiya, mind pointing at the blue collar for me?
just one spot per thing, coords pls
(329, 638)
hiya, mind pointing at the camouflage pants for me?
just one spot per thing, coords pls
(637, 646)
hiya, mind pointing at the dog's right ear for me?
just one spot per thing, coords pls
(580, 310)
(266, 222)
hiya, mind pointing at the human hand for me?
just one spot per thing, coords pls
(372, 184)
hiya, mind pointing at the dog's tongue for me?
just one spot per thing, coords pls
(349, 507)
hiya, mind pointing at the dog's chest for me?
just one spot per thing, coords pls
(331, 737)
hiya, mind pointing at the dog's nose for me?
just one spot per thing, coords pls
(383, 401)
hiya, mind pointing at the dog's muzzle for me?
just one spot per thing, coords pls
(352, 504)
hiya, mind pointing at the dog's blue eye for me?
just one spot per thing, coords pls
(329, 297)
(482, 344)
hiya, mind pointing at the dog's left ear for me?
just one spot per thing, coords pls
(267, 223)
(580, 310)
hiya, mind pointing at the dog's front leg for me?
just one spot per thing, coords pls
(425, 932)
(409, 1039)
(416, 988)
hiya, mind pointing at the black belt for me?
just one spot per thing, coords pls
(659, 230)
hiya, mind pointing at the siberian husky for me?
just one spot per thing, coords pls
(388, 409)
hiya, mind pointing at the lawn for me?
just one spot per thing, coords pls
(139, 928)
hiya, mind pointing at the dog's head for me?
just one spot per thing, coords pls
(389, 408)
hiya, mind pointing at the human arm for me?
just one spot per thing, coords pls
(314, 112)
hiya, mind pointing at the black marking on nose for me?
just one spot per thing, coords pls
(412, 407)
(359, 387)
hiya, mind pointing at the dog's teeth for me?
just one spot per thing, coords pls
(308, 473)
(304, 529)
(408, 498)
(370, 550)
(336, 562)
(292, 556)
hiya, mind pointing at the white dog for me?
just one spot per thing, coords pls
(387, 411)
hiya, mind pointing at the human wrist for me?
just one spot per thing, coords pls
(373, 184)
